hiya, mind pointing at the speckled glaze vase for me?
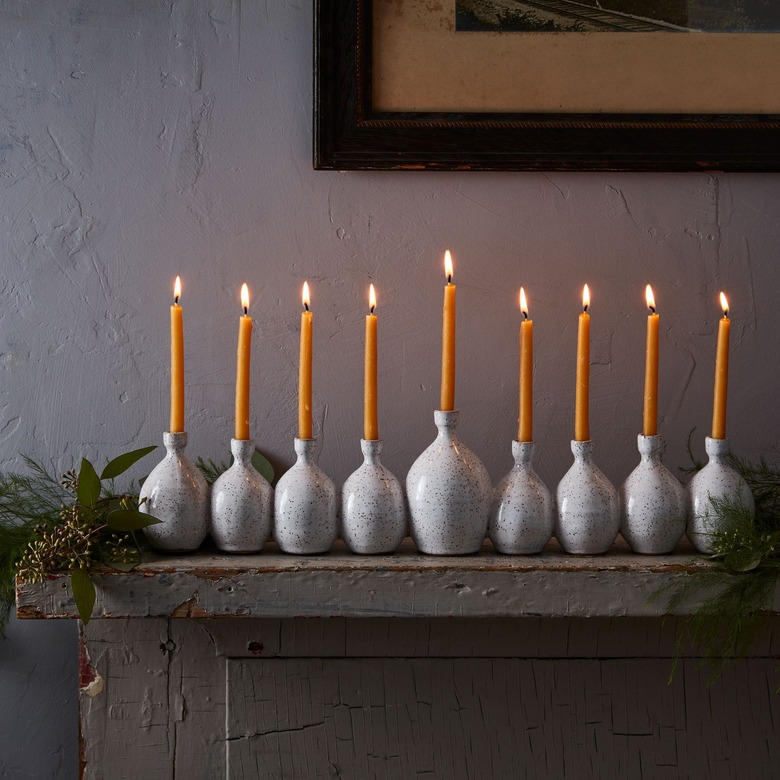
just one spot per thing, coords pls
(241, 504)
(177, 494)
(588, 516)
(373, 515)
(716, 480)
(449, 492)
(305, 505)
(521, 514)
(652, 502)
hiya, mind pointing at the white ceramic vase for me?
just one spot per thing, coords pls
(588, 516)
(652, 502)
(305, 505)
(521, 514)
(241, 504)
(449, 492)
(373, 516)
(177, 494)
(716, 480)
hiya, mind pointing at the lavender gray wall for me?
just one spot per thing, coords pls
(141, 140)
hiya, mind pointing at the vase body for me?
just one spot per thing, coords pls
(449, 491)
(716, 480)
(373, 515)
(521, 513)
(305, 505)
(241, 504)
(652, 502)
(177, 494)
(588, 516)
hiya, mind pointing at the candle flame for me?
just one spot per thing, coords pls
(371, 298)
(585, 298)
(650, 298)
(724, 304)
(305, 296)
(177, 289)
(245, 298)
(448, 266)
(523, 303)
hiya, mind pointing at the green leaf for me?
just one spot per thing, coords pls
(129, 520)
(89, 485)
(122, 463)
(84, 593)
(260, 462)
(742, 560)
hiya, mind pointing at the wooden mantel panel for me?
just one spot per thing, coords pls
(407, 584)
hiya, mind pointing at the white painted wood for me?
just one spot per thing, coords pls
(402, 585)
(442, 698)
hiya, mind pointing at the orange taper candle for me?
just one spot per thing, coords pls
(447, 401)
(370, 424)
(177, 362)
(304, 369)
(650, 407)
(242, 368)
(582, 387)
(721, 373)
(526, 385)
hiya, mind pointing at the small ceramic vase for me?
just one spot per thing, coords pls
(521, 515)
(652, 502)
(449, 491)
(305, 505)
(588, 516)
(373, 516)
(241, 504)
(177, 494)
(716, 480)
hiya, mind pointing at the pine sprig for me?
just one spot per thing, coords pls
(73, 525)
(731, 602)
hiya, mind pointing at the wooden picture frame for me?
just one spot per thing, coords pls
(349, 134)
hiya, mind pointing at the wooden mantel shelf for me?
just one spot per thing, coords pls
(406, 584)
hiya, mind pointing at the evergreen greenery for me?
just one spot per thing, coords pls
(75, 524)
(734, 599)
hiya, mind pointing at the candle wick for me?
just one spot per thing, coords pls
(525, 315)
(372, 310)
(585, 308)
(449, 278)
(652, 309)
(176, 300)
(246, 310)
(725, 314)
(306, 306)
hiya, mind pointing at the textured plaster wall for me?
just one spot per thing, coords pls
(139, 140)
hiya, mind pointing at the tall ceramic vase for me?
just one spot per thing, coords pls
(717, 480)
(241, 504)
(305, 505)
(588, 506)
(652, 502)
(449, 491)
(521, 514)
(177, 494)
(373, 515)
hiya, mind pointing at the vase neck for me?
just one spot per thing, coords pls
(175, 443)
(650, 448)
(243, 450)
(582, 450)
(371, 449)
(306, 450)
(446, 422)
(718, 450)
(523, 452)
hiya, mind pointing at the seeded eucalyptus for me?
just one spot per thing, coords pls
(74, 524)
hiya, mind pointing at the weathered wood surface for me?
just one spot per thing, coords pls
(407, 584)
(435, 698)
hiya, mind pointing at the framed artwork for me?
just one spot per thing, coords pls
(662, 85)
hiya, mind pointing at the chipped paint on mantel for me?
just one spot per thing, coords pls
(407, 584)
